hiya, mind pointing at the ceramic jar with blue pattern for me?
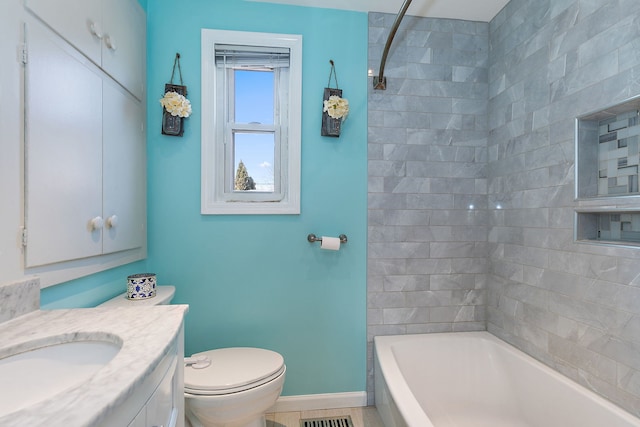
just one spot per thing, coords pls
(141, 286)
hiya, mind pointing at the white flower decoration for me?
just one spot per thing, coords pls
(336, 107)
(176, 104)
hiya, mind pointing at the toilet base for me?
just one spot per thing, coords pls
(261, 421)
(241, 409)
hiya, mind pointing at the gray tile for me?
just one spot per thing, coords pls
(508, 103)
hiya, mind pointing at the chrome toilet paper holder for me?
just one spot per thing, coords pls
(312, 238)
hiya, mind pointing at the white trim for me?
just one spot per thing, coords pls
(467, 10)
(212, 154)
(311, 402)
(52, 274)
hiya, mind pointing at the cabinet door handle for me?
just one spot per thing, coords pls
(111, 44)
(112, 221)
(94, 28)
(96, 223)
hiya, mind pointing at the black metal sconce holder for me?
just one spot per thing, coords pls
(174, 125)
(331, 126)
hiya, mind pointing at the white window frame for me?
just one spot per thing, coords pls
(216, 197)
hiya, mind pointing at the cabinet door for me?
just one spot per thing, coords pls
(124, 170)
(78, 22)
(140, 420)
(124, 51)
(63, 152)
(160, 410)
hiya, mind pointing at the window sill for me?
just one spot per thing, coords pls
(251, 208)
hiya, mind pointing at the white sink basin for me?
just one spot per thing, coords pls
(36, 375)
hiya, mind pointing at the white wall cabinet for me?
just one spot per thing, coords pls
(107, 32)
(123, 170)
(63, 152)
(85, 155)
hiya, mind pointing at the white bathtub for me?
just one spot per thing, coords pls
(473, 379)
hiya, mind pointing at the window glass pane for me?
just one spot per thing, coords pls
(256, 152)
(254, 96)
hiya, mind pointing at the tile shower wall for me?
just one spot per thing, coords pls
(575, 306)
(427, 206)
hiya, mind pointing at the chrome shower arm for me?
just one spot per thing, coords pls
(380, 81)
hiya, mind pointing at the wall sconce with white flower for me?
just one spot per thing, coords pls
(175, 105)
(335, 107)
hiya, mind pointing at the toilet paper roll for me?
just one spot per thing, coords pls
(330, 243)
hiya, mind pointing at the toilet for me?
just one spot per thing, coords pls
(227, 387)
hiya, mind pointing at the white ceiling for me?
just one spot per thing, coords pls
(472, 10)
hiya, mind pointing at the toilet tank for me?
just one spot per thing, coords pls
(164, 295)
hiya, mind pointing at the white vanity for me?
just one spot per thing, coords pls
(141, 385)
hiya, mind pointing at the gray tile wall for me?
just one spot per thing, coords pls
(427, 250)
(574, 306)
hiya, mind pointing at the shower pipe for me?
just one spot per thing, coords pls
(380, 81)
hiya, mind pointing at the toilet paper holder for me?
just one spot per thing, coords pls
(312, 238)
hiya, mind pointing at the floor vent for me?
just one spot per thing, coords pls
(342, 421)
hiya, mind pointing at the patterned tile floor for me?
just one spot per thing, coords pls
(361, 417)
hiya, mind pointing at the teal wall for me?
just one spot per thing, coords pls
(89, 291)
(255, 280)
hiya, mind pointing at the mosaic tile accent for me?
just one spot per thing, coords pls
(620, 227)
(618, 155)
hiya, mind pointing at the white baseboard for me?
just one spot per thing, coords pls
(310, 402)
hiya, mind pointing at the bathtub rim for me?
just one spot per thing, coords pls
(408, 406)
(412, 412)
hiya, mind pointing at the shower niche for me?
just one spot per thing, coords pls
(607, 175)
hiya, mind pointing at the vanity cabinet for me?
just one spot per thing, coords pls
(160, 410)
(159, 400)
(108, 32)
(85, 150)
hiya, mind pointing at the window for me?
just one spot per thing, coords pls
(251, 115)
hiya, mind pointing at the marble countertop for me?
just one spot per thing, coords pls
(146, 334)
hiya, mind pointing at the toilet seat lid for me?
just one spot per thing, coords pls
(232, 370)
